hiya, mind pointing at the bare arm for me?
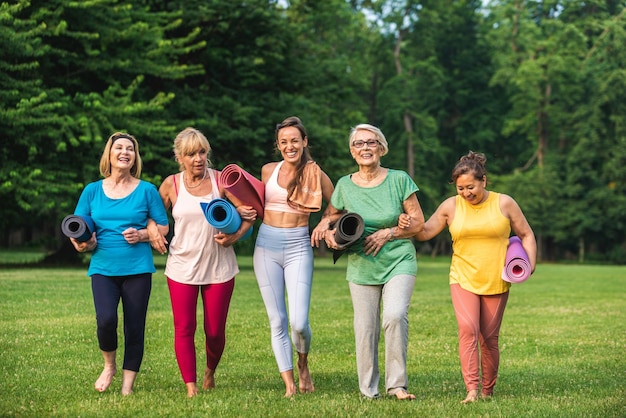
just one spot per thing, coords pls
(520, 227)
(156, 233)
(374, 242)
(439, 220)
(330, 216)
(319, 232)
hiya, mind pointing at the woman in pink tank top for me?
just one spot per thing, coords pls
(201, 260)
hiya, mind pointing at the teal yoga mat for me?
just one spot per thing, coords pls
(223, 216)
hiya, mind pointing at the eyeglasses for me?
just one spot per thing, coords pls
(370, 143)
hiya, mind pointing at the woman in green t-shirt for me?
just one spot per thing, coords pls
(382, 265)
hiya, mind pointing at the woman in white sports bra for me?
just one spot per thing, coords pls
(283, 255)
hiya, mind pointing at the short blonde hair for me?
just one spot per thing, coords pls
(370, 128)
(105, 160)
(189, 140)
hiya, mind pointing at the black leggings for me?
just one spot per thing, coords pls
(134, 291)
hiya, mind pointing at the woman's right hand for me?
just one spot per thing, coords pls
(329, 238)
(85, 246)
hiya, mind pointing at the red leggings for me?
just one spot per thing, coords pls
(215, 301)
(479, 318)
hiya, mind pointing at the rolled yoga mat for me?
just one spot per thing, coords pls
(516, 267)
(244, 186)
(78, 227)
(350, 228)
(222, 215)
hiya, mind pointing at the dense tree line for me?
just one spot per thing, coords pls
(538, 86)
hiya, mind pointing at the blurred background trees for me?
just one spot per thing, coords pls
(538, 86)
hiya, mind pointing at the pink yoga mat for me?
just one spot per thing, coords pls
(244, 186)
(516, 267)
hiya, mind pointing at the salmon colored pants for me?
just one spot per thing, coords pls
(478, 318)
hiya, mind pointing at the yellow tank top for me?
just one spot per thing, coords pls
(480, 236)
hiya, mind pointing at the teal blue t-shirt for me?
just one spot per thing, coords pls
(380, 207)
(114, 256)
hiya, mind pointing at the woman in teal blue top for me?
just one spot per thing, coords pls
(382, 266)
(121, 265)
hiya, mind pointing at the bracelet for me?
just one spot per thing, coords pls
(391, 233)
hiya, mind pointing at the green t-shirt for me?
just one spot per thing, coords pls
(380, 207)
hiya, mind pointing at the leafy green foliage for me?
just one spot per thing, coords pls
(537, 86)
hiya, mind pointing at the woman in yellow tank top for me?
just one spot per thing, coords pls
(480, 222)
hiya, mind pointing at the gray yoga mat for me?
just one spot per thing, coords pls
(350, 228)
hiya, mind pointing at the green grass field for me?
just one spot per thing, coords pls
(563, 344)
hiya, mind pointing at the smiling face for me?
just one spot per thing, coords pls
(291, 144)
(369, 152)
(123, 154)
(471, 189)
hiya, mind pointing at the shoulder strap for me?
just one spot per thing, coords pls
(175, 185)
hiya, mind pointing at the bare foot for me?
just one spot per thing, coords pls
(128, 380)
(403, 395)
(472, 396)
(290, 385)
(305, 381)
(209, 379)
(104, 381)
(290, 392)
(192, 389)
(486, 395)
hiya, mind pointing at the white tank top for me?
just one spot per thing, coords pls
(194, 256)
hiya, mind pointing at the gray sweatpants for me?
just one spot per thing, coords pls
(366, 300)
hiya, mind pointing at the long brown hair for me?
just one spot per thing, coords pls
(306, 155)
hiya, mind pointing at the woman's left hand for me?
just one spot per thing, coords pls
(247, 213)
(373, 243)
(225, 240)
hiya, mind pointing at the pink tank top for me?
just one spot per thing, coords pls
(194, 257)
(276, 196)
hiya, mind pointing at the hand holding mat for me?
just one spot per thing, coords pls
(244, 186)
(223, 216)
(78, 227)
(516, 267)
(349, 228)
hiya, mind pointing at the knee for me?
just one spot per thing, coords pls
(300, 328)
(107, 321)
(467, 331)
(185, 330)
(395, 318)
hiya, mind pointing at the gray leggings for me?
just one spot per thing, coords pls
(395, 296)
(283, 260)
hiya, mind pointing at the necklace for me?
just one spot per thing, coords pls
(365, 179)
(197, 185)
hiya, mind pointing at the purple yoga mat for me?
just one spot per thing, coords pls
(516, 266)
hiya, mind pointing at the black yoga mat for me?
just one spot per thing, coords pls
(78, 227)
(350, 228)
